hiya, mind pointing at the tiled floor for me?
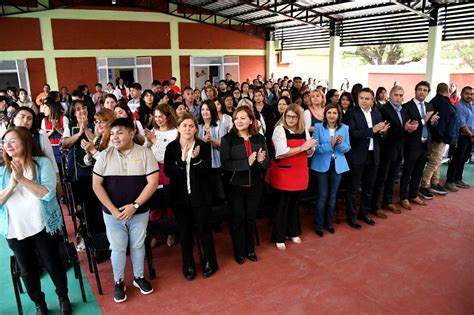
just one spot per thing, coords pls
(417, 262)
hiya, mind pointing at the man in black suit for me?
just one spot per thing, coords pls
(416, 148)
(391, 151)
(365, 129)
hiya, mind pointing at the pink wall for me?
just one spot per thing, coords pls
(462, 79)
(407, 81)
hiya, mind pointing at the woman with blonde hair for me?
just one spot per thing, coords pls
(101, 141)
(315, 112)
(288, 174)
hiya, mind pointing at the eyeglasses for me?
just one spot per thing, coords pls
(291, 117)
(4, 142)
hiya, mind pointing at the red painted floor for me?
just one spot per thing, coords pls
(417, 262)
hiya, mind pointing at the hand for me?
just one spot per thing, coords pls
(150, 135)
(195, 152)
(17, 170)
(411, 125)
(261, 156)
(126, 212)
(252, 158)
(12, 182)
(378, 127)
(164, 100)
(434, 119)
(184, 151)
(385, 128)
(339, 139)
(88, 146)
(428, 116)
(310, 143)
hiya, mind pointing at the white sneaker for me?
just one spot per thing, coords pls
(281, 246)
(296, 240)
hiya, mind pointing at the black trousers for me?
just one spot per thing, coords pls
(384, 181)
(461, 154)
(83, 192)
(362, 175)
(412, 173)
(285, 218)
(26, 252)
(244, 202)
(189, 218)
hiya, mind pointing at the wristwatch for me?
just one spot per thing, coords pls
(136, 205)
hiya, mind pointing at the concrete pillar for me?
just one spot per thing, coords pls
(48, 49)
(270, 58)
(334, 58)
(433, 60)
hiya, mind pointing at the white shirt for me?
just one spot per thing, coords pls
(280, 142)
(368, 118)
(188, 167)
(423, 122)
(24, 212)
(332, 132)
(163, 138)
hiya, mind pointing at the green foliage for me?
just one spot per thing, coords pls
(462, 51)
(388, 54)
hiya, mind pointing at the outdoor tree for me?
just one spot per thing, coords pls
(462, 51)
(388, 54)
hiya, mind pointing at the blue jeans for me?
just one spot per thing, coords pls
(119, 233)
(328, 184)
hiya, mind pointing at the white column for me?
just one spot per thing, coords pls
(175, 62)
(434, 74)
(334, 62)
(270, 59)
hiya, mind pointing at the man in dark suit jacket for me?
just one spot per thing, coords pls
(444, 132)
(365, 129)
(416, 147)
(391, 153)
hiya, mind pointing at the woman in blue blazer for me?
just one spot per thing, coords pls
(329, 163)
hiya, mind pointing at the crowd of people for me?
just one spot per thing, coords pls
(133, 155)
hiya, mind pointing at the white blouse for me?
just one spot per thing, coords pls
(280, 142)
(24, 212)
(163, 138)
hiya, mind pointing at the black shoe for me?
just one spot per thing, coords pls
(438, 189)
(353, 223)
(143, 285)
(331, 230)
(189, 273)
(65, 306)
(425, 193)
(208, 270)
(239, 259)
(319, 233)
(41, 308)
(119, 292)
(252, 257)
(367, 220)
